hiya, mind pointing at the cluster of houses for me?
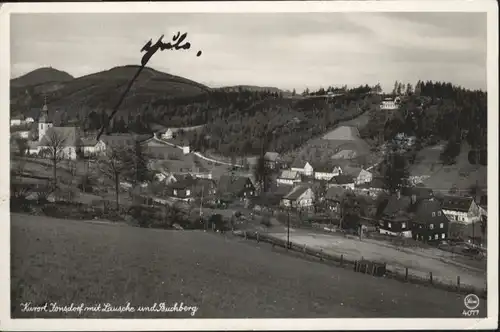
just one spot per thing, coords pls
(71, 144)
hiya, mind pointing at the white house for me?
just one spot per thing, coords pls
(29, 119)
(461, 209)
(288, 177)
(326, 172)
(22, 134)
(16, 120)
(300, 197)
(168, 134)
(92, 147)
(303, 168)
(343, 181)
(361, 176)
(390, 104)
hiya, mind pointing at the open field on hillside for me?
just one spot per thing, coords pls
(442, 177)
(68, 261)
(419, 261)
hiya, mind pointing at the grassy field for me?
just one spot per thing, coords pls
(67, 261)
(442, 177)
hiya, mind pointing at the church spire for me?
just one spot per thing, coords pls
(45, 108)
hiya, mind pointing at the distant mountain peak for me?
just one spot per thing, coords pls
(40, 76)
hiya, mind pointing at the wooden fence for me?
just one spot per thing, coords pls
(364, 266)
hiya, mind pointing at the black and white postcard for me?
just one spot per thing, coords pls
(249, 165)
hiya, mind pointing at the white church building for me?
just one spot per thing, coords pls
(64, 140)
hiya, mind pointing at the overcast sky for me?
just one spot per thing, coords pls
(282, 50)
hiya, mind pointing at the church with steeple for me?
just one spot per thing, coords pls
(64, 141)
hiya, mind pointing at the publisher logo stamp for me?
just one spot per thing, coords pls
(471, 302)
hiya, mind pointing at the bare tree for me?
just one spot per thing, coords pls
(54, 143)
(113, 165)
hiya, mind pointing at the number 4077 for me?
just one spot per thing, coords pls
(470, 313)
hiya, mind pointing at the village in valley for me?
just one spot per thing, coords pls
(351, 179)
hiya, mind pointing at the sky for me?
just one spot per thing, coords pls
(284, 50)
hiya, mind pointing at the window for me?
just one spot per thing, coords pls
(403, 225)
(436, 237)
(431, 226)
(442, 236)
(433, 214)
(175, 192)
(389, 225)
(188, 192)
(439, 213)
(430, 237)
(441, 225)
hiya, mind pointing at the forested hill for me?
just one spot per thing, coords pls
(438, 111)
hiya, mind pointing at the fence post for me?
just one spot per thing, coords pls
(430, 277)
(321, 254)
(373, 269)
(356, 266)
(257, 237)
(366, 268)
(341, 259)
(246, 235)
(458, 282)
(406, 274)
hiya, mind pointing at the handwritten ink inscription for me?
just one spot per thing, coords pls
(177, 40)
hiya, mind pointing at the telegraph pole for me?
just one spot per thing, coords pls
(288, 230)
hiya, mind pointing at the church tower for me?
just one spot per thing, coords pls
(43, 122)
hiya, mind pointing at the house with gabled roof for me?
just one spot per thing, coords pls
(343, 180)
(235, 187)
(300, 197)
(429, 222)
(92, 147)
(326, 171)
(288, 177)
(333, 197)
(461, 209)
(372, 189)
(395, 218)
(272, 160)
(304, 168)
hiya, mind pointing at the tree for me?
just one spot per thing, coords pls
(262, 174)
(113, 165)
(55, 144)
(451, 151)
(137, 162)
(409, 89)
(349, 211)
(395, 171)
(22, 146)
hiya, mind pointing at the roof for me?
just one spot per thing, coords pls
(286, 174)
(298, 164)
(351, 170)
(334, 193)
(232, 185)
(271, 156)
(423, 209)
(343, 133)
(376, 183)
(296, 193)
(67, 135)
(323, 168)
(419, 191)
(457, 203)
(342, 179)
(395, 205)
(88, 141)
